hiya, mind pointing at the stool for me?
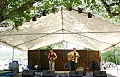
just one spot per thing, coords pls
(67, 66)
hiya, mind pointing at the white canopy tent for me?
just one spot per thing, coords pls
(69, 26)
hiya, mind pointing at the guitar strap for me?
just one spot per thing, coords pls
(74, 56)
(50, 54)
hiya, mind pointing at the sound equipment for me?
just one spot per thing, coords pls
(14, 67)
(34, 18)
(47, 73)
(89, 15)
(44, 13)
(80, 10)
(99, 74)
(76, 74)
(28, 73)
(94, 66)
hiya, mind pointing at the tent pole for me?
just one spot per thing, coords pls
(117, 66)
(101, 62)
(116, 60)
(13, 54)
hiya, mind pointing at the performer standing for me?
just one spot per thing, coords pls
(73, 58)
(52, 57)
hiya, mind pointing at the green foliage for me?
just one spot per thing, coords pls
(88, 49)
(112, 56)
(71, 3)
(44, 48)
(21, 11)
(9, 54)
(59, 45)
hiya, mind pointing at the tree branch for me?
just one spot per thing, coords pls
(108, 8)
(3, 4)
(115, 14)
(23, 8)
(112, 4)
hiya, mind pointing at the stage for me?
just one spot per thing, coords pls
(63, 74)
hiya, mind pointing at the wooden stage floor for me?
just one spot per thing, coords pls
(64, 74)
(88, 74)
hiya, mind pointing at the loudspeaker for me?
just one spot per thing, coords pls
(61, 75)
(44, 13)
(34, 18)
(28, 73)
(89, 15)
(76, 74)
(80, 10)
(99, 74)
(47, 73)
(70, 8)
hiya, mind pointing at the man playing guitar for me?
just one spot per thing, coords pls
(52, 57)
(73, 58)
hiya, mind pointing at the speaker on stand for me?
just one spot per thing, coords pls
(99, 74)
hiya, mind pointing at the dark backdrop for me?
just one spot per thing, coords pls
(36, 57)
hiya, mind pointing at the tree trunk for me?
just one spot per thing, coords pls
(2, 6)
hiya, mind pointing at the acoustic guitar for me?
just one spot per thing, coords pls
(52, 59)
(70, 58)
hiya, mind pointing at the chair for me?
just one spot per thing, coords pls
(30, 67)
(67, 66)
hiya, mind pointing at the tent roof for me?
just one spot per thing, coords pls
(69, 26)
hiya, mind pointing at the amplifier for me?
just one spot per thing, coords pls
(76, 73)
(99, 74)
(47, 73)
(28, 73)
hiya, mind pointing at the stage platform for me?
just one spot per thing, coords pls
(63, 74)
(66, 74)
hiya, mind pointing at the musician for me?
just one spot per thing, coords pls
(52, 57)
(73, 58)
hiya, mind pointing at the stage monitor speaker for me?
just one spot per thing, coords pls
(47, 73)
(99, 74)
(76, 73)
(28, 73)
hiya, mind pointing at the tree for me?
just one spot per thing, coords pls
(112, 55)
(59, 45)
(20, 11)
